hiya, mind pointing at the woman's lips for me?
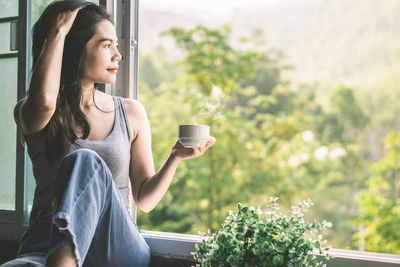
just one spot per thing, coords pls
(113, 70)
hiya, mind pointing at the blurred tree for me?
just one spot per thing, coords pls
(211, 61)
(349, 111)
(380, 203)
(157, 67)
(148, 72)
(214, 73)
(273, 138)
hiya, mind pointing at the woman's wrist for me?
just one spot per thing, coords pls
(174, 157)
(55, 34)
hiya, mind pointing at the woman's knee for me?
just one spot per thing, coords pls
(82, 154)
(83, 160)
(79, 168)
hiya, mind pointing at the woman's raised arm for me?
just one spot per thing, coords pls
(34, 112)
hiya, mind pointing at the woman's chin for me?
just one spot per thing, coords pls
(106, 81)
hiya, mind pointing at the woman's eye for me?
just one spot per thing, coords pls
(108, 46)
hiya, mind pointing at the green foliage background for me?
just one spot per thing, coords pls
(274, 137)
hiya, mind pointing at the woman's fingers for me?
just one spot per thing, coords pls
(191, 152)
(64, 21)
(210, 142)
(201, 150)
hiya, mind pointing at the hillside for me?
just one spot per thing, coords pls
(330, 41)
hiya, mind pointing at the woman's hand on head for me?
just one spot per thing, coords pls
(63, 21)
(180, 152)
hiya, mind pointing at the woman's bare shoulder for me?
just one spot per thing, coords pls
(136, 116)
(134, 108)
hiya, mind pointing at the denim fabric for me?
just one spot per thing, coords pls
(89, 212)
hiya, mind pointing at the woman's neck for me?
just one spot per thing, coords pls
(87, 94)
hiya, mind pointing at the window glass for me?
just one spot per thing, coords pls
(8, 76)
(302, 97)
(37, 9)
(5, 33)
(8, 8)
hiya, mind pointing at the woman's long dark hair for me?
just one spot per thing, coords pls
(68, 119)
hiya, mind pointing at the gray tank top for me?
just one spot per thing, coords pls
(114, 150)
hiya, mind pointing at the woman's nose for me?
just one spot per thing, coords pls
(117, 56)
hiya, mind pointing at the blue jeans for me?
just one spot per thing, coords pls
(87, 211)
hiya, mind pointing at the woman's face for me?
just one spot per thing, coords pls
(99, 63)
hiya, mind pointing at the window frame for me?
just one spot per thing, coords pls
(182, 246)
(164, 244)
(20, 214)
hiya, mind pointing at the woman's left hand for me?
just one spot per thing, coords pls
(180, 152)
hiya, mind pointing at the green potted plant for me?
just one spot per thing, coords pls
(251, 237)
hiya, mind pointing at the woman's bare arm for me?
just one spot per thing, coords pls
(148, 186)
(35, 111)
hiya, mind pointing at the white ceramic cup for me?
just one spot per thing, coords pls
(194, 135)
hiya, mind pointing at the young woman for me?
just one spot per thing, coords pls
(91, 152)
